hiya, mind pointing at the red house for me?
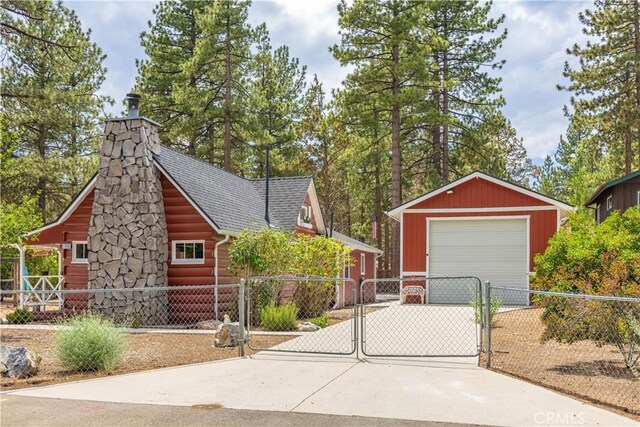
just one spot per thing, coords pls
(152, 216)
(478, 226)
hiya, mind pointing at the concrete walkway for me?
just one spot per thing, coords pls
(437, 390)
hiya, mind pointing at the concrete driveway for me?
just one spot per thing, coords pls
(392, 329)
(438, 390)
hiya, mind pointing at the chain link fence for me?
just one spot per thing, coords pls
(305, 309)
(583, 345)
(421, 317)
(125, 329)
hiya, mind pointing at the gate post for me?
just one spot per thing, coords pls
(487, 323)
(241, 309)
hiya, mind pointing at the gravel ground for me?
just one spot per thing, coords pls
(596, 374)
(145, 351)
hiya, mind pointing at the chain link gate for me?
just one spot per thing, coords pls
(399, 319)
(309, 314)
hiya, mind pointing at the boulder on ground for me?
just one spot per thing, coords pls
(209, 324)
(308, 327)
(227, 334)
(18, 362)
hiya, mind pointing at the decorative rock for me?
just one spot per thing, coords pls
(227, 335)
(308, 327)
(209, 324)
(18, 362)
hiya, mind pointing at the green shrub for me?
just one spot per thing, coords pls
(19, 316)
(279, 318)
(90, 343)
(479, 309)
(321, 321)
(314, 297)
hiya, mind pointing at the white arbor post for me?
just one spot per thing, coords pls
(21, 284)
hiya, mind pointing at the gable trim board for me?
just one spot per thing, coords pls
(88, 187)
(395, 212)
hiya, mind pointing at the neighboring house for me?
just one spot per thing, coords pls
(617, 195)
(152, 217)
(478, 226)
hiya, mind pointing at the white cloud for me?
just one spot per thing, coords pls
(535, 50)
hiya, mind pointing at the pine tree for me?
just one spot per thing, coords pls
(224, 52)
(50, 100)
(169, 43)
(461, 36)
(606, 81)
(379, 39)
(276, 94)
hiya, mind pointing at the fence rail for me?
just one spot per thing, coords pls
(202, 306)
(583, 345)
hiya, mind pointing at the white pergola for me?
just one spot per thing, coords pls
(40, 291)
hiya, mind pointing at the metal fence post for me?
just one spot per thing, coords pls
(241, 310)
(487, 322)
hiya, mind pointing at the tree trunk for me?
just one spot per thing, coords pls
(42, 179)
(628, 139)
(636, 31)
(396, 163)
(191, 149)
(436, 134)
(445, 112)
(227, 100)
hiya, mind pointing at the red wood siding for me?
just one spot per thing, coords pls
(476, 193)
(347, 291)
(185, 223)
(75, 228)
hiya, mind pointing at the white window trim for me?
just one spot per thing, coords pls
(187, 261)
(610, 202)
(363, 264)
(347, 270)
(75, 260)
(302, 223)
(638, 198)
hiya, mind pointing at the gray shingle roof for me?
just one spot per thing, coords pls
(286, 196)
(233, 203)
(355, 244)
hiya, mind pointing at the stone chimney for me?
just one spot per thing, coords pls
(128, 229)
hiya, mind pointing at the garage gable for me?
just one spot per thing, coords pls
(479, 191)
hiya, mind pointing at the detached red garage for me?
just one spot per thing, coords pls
(477, 226)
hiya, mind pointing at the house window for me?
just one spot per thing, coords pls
(346, 271)
(187, 252)
(638, 198)
(304, 216)
(363, 268)
(80, 253)
(610, 202)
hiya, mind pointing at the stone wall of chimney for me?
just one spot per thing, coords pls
(128, 230)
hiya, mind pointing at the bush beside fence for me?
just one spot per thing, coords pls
(581, 345)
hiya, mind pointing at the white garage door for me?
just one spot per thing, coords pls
(491, 249)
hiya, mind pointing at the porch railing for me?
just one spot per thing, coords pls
(42, 292)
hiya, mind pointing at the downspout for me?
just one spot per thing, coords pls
(215, 272)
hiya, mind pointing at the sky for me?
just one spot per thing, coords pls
(535, 52)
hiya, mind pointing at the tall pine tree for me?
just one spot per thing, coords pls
(49, 84)
(606, 80)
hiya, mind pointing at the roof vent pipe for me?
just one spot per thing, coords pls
(266, 185)
(133, 105)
